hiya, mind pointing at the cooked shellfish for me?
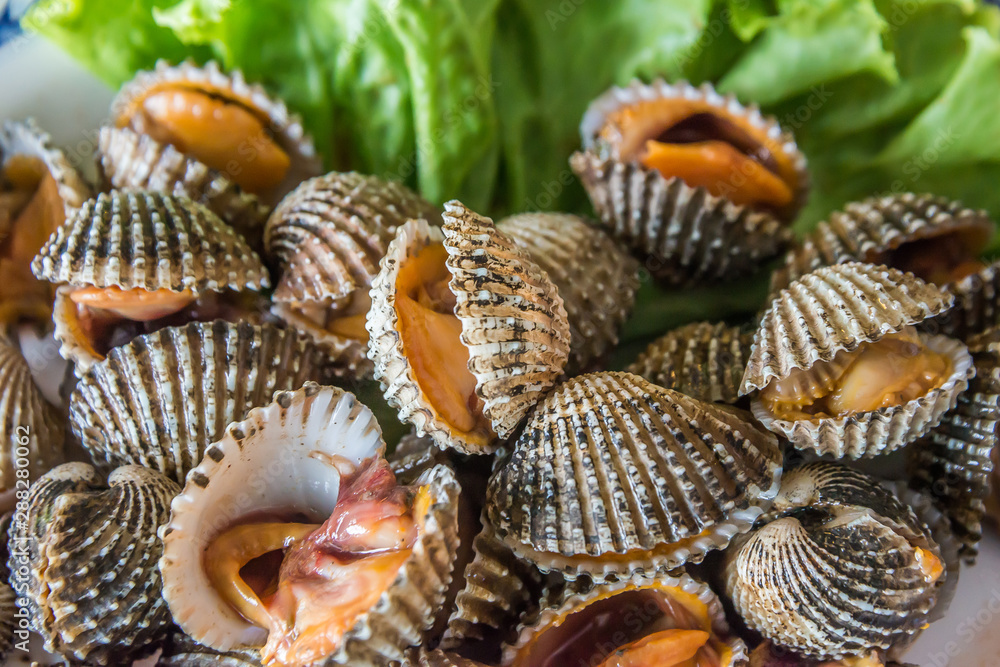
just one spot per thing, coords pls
(135, 262)
(239, 505)
(696, 182)
(185, 652)
(840, 369)
(93, 588)
(467, 333)
(614, 475)
(838, 568)
(438, 658)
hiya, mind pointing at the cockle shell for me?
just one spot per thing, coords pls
(688, 235)
(186, 652)
(513, 323)
(681, 591)
(838, 308)
(614, 475)
(163, 398)
(838, 567)
(438, 658)
(703, 360)
(31, 430)
(596, 278)
(93, 585)
(284, 127)
(7, 596)
(249, 469)
(26, 138)
(952, 463)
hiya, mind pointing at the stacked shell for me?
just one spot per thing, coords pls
(208, 135)
(597, 279)
(266, 488)
(700, 186)
(936, 239)
(160, 400)
(614, 475)
(328, 237)
(467, 333)
(93, 587)
(660, 619)
(134, 262)
(39, 188)
(840, 369)
(835, 542)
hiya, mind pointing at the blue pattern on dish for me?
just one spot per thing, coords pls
(11, 12)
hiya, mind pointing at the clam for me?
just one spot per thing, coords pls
(38, 189)
(596, 278)
(769, 655)
(840, 369)
(952, 463)
(211, 119)
(614, 475)
(328, 236)
(261, 497)
(438, 658)
(7, 595)
(134, 262)
(839, 567)
(93, 588)
(466, 332)
(185, 652)
(160, 400)
(664, 619)
(31, 430)
(703, 360)
(695, 182)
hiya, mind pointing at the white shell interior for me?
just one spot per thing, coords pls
(275, 459)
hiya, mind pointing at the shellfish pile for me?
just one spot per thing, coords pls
(209, 486)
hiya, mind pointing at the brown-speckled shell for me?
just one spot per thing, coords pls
(686, 234)
(597, 279)
(437, 658)
(513, 323)
(26, 138)
(163, 398)
(183, 651)
(703, 360)
(834, 541)
(838, 308)
(952, 463)
(614, 475)
(574, 598)
(93, 586)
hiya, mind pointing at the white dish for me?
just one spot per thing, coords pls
(39, 80)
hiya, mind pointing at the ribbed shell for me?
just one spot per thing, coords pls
(835, 571)
(703, 360)
(286, 128)
(499, 587)
(273, 444)
(163, 398)
(952, 463)
(610, 464)
(437, 658)
(977, 305)
(832, 309)
(186, 652)
(131, 161)
(413, 455)
(7, 595)
(330, 233)
(596, 278)
(513, 323)
(26, 138)
(93, 584)
(27, 422)
(863, 229)
(579, 596)
(152, 241)
(688, 235)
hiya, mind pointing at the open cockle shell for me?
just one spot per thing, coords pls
(93, 586)
(614, 475)
(596, 278)
(638, 596)
(513, 324)
(838, 308)
(270, 460)
(283, 127)
(163, 398)
(839, 567)
(26, 138)
(31, 430)
(703, 360)
(688, 235)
